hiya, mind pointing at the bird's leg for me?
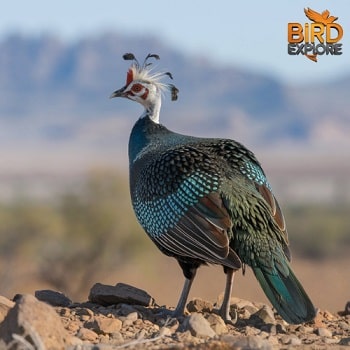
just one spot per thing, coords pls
(180, 308)
(189, 271)
(224, 310)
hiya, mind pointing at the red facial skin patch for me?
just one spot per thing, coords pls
(129, 76)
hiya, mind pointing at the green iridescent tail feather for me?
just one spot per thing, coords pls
(287, 295)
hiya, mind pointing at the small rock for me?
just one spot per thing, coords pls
(327, 315)
(251, 331)
(138, 322)
(199, 305)
(83, 313)
(324, 332)
(291, 340)
(228, 338)
(295, 341)
(129, 334)
(53, 298)
(73, 327)
(345, 341)
(217, 324)
(245, 314)
(250, 309)
(273, 340)
(125, 309)
(243, 304)
(127, 323)
(247, 343)
(87, 335)
(5, 306)
(318, 321)
(165, 332)
(104, 325)
(103, 338)
(198, 326)
(266, 314)
(331, 341)
(35, 321)
(78, 310)
(305, 329)
(121, 293)
(84, 318)
(74, 341)
(344, 326)
(184, 337)
(133, 316)
(64, 312)
(116, 338)
(270, 329)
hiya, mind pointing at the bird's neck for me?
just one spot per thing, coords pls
(152, 109)
(142, 135)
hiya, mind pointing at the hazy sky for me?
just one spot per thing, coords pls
(252, 34)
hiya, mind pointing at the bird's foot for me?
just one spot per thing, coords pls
(225, 315)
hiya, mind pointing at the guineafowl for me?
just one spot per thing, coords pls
(207, 201)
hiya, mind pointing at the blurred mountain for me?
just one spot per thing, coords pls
(54, 104)
(327, 108)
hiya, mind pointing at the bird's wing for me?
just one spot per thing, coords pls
(202, 233)
(331, 19)
(252, 171)
(325, 14)
(248, 175)
(180, 208)
(313, 15)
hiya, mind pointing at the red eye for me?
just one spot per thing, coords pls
(137, 88)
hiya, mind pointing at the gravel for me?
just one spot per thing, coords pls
(134, 325)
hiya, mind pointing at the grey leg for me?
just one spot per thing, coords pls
(224, 310)
(180, 308)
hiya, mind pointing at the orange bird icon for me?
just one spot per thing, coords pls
(323, 17)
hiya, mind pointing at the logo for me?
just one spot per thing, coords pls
(320, 37)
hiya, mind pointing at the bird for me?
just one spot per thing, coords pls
(316, 17)
(206, 201)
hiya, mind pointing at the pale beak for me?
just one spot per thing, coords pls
(118, 93)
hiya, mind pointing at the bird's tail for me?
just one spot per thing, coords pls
(286, 294)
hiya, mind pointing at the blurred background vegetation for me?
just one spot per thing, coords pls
(75, 239)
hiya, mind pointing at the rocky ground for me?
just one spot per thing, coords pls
(122, 316)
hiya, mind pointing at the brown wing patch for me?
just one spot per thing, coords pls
(276, 214)
(275, 208)
(212, 210)
(202, 233)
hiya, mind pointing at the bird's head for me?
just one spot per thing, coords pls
(145, 86)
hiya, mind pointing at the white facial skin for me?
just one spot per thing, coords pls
(146, 94)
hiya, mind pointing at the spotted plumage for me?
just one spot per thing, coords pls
(205, 200)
